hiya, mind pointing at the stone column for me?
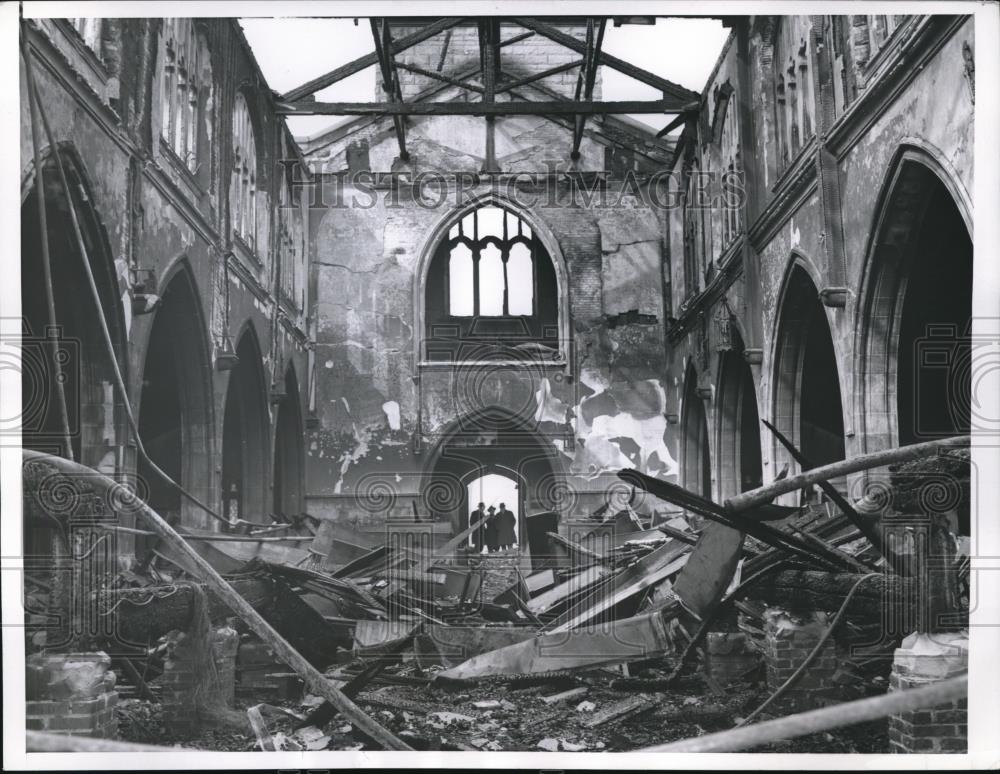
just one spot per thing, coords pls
(923, 659)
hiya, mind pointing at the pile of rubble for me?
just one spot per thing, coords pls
(725, 615)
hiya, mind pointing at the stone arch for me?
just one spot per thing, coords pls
(92, 403)
(492, 440)
(806, 386)
(910, 302)
(439, 234)
(289, 451)
(738, 447)
(695, 453)
(245, 432)
(175, 405)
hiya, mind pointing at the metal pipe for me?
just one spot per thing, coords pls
(837, 716)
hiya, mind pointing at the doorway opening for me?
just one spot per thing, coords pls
(500, 493)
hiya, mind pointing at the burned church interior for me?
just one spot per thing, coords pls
(505, 411)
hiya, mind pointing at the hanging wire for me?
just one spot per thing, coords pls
(52, 333)
(95, 296)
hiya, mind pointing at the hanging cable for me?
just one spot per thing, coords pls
(815, 651)
(95, 296)
(52, 334)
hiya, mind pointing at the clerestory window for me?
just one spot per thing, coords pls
(491, 290)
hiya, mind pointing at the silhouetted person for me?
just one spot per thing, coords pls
(505, 527)
(492, 538)
(477, 534)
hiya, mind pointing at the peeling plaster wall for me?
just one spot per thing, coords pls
(367, 261)
(601, 411)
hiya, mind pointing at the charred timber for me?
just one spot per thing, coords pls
(553, 108)
(803, 590)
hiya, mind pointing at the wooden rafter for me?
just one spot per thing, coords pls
(489, 57)
(390, 79)
(588, 77)
(368, 60)
(532, 108)
(669, 88)
(519, 82)
(440, 77)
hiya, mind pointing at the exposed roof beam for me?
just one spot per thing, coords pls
(669, 88)
(390, 79)
(589, 73)
(439, 77)
(515, 84)
(517, 38)
(368, 60)
(489, 50)
(531, 108)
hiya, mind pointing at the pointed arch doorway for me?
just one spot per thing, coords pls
(496, 488)
(244, 436)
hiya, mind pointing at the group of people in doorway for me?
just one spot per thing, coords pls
(497, 533)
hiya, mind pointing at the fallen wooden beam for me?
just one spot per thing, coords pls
(619, 710)
(577, 584)
(863, 525)
(767, 493)
(572, 693)
(115, 494)
(826, 719)
(878, 598)
(451, 645)
(629, 639)
(648, 571)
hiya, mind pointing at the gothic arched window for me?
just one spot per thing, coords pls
(793, 87)
(243, 190)
(491, 291)
(186, 96)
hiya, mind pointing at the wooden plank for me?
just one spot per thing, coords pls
(710, 567)
(368, 60)
(539, 108)
(572, 693)
(538, 582)
(648, 571)
(451, 645)
(113, 492)
(549, 599)
(619, 710)
(630, 639)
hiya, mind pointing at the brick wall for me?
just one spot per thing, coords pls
(181, 682)
(923, 659)
(788, 640)
(71, 693)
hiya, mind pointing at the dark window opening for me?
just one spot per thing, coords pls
(487, 291)
(934, 370)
